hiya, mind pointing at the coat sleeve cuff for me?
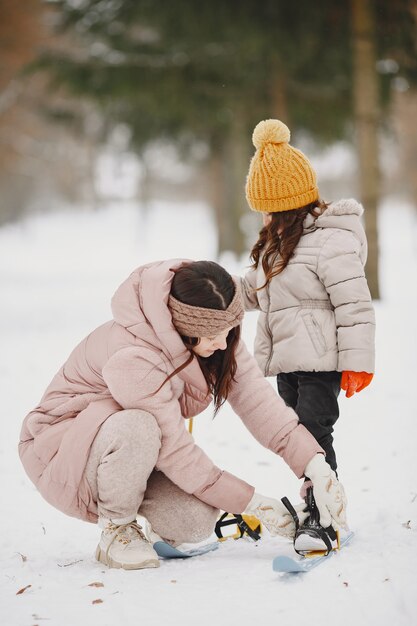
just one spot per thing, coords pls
(297, 449)
(356, 361)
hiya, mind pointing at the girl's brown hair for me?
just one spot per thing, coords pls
(278, 240)
(207, 284)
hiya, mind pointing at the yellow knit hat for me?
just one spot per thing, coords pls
(280, 177)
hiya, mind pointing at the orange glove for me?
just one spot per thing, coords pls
(355, 381)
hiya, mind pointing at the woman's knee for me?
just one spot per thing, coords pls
(133, 425)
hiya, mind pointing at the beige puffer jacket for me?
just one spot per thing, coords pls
(317, 315)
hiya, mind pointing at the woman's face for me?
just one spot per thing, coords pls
(207, 345)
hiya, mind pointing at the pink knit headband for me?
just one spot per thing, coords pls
(197, 321)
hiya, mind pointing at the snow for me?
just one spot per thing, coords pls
(57, 274)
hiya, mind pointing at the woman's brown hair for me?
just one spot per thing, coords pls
(207, 284)
(278, 240)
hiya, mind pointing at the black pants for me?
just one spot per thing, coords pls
(313, 396)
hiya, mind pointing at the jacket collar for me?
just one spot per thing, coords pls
(309, 224)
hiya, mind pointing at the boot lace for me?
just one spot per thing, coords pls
(125, 533)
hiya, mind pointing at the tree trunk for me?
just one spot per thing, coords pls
(236, 168)
(366, 101)
(278, 93)
(216, 196)
(228, 166)
(404, 114)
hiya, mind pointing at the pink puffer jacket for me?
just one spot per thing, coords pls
(119, 366)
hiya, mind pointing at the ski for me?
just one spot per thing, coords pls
(166, 551)
(304, 563)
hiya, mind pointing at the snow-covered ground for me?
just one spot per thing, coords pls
(57, 274)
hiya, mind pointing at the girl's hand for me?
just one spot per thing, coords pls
(328, 492)
(355, 381)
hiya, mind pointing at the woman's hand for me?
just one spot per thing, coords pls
(273, 514)
(328, 492)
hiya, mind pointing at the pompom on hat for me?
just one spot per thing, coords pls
(280, 177)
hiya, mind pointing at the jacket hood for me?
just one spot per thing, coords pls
(140, 305)
(345, 207)
(344, 214)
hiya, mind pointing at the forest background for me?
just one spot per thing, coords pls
(166, 95)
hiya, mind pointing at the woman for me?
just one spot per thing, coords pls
(108, 439)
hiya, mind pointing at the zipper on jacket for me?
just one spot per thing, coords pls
(268, 328)
(319, 333)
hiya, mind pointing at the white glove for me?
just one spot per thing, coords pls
(328, 492)
(274, 515)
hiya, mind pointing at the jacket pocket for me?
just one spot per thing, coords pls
(315, 333)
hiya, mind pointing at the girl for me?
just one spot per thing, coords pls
(316, 326)
(108, 441)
